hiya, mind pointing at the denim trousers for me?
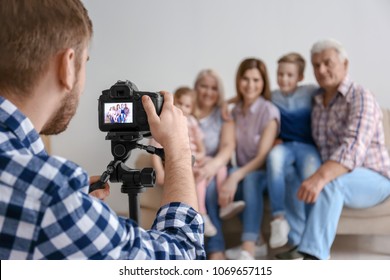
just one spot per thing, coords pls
(360, 188)
(288, 164)
(251, 190)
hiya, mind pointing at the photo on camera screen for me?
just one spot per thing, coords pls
(118, 112)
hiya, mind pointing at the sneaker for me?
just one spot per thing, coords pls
(231, 209)
(209, 228)
(244, 255)
(235, 252)
(279, 233)
(291, 254)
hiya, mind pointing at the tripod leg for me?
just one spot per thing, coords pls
(134, 208)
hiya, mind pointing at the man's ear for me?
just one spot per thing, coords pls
(67, 69)
(300, 78)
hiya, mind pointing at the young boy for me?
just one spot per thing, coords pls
(294, 156)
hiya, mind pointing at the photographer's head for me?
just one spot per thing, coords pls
(43, 52)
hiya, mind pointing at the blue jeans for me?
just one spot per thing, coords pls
(288, 164)
(360, 188)
(251, 190)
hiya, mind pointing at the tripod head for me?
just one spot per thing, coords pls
(133, 181)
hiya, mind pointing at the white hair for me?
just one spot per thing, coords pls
(322, 45)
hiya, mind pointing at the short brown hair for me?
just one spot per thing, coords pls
(295, 58)
(254, 63)
(32, 32)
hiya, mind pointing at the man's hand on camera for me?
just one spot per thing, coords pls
(170, 128)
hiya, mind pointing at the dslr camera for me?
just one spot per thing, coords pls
(121, 110)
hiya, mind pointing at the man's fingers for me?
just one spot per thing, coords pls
(93, 179)
(149, 109)
(168, 98)
(300, 194)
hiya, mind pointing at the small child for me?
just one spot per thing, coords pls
(294, 147)
(184, 98)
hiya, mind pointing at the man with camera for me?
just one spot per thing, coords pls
(45, 210)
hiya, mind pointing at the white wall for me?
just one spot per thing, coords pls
(163, 44)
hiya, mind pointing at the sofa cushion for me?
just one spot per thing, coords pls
(379, 210)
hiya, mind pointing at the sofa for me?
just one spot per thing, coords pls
(368, 221)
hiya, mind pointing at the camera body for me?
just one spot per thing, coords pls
(121, 110)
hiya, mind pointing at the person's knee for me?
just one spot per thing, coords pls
(254, 177)
(312, 163)
(333, 191)
(276, 157)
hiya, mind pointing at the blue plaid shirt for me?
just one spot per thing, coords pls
(46, 213)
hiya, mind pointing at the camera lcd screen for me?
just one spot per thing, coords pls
(118, 112)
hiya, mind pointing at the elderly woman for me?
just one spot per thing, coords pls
(219, 150)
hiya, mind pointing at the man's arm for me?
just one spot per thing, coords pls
(171, 131)
(362, 117)
(312, 186)
(360, 128)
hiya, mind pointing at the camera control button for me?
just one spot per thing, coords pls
(137, 96)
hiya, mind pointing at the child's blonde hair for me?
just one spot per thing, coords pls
(182, 91)
(295, 58)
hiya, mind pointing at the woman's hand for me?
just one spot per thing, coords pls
(207, 168)
(228, 190)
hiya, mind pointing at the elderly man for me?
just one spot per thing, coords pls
(347, 128)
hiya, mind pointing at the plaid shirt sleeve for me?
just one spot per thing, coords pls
(81, 227)
(46, 214)
(362, 114)
(78, 226)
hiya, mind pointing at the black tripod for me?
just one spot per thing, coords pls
(133, 181)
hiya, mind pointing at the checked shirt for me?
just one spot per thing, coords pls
(46, 213)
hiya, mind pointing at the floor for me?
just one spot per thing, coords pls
(355, 247)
